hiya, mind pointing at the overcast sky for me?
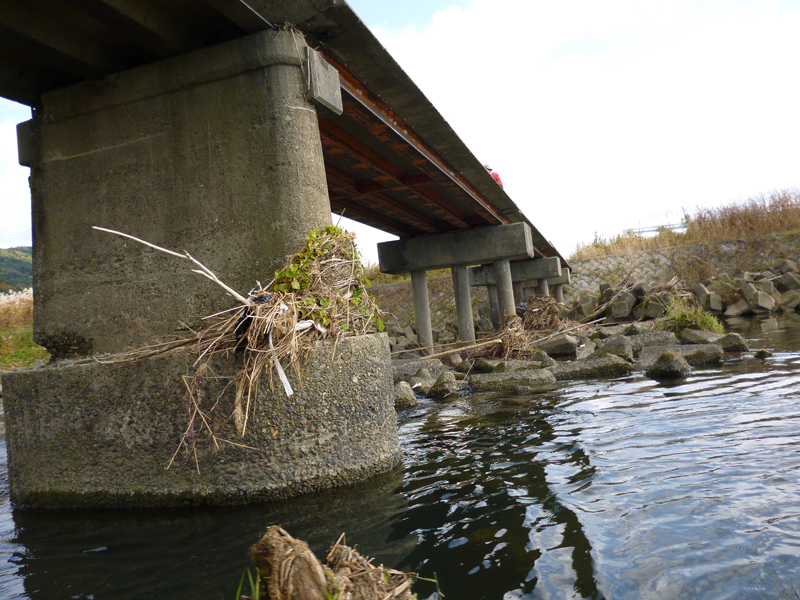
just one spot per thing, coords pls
(600, 115)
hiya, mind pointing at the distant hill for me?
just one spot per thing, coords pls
(16, 268)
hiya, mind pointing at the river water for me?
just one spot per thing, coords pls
(622, 488)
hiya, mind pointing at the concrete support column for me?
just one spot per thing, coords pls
(466, 326)
(519, 292)
(558, 293)
(543, 288)
(505, 289)
(422, 308)
(494, 307)
(216, 153)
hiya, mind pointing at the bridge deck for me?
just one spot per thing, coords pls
(391, 160)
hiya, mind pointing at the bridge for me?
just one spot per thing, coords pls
(148, 118)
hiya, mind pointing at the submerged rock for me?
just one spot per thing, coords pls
(445, 385)
(639, 327)
(421, 382)
(610, 331)
(619, 345)
(404, 368)
(697, 336)
(733, 342)
(562, 346)
(592, 368)
(702, 354)
(669, 365)
(654, 338)
(511, 381)
(486, 365)
(738, 308)
(404, 396)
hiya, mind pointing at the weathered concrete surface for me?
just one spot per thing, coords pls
(590, 368)
(468, 247)
(215, 152)
(521, 270)
(90, 435)
(522, 380)
(405, 368)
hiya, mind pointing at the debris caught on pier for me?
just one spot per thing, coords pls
(541, 314)
(289, 570)
(320, 293)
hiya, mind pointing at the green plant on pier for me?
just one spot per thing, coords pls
(329, 255)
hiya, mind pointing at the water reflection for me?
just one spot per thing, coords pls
(623, 488)
(480, 502)
(183, 553)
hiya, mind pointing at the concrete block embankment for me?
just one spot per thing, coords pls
(690, 263)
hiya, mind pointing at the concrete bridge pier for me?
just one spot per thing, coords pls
(522, 273)
(422, 308)
(505, 288)
(543, 289)
(466, 323)
(216, 152)
(559, 283)
(494, 305)
(457, 250)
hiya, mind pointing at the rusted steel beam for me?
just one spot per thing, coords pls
(378, 202)
(388, 132)
(335, 139)
(347, 207)
(355, 147)
(412, 146)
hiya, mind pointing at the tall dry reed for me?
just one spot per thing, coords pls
(778, 212)
(16, 309)
(760, 215)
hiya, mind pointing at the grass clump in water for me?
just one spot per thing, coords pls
(684, 312)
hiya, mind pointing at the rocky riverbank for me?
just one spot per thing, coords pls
(627, 340)
(612, 351)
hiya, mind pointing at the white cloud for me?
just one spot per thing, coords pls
(605, 116)
(599, 116)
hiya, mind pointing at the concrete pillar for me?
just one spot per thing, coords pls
(558, 293)
(422, 308)
(519, 292)
(215, 152)
(505, 289)
(466, 326)
(494, 307)
(544, 288)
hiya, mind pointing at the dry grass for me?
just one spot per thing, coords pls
(17, 348)
(778, 212)
(375, 277)
(16, 309)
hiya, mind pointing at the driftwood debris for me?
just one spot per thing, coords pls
(289, 570)
(518, 336)
(319, 294)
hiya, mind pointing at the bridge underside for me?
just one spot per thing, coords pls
(379, 170)
(381, 175)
